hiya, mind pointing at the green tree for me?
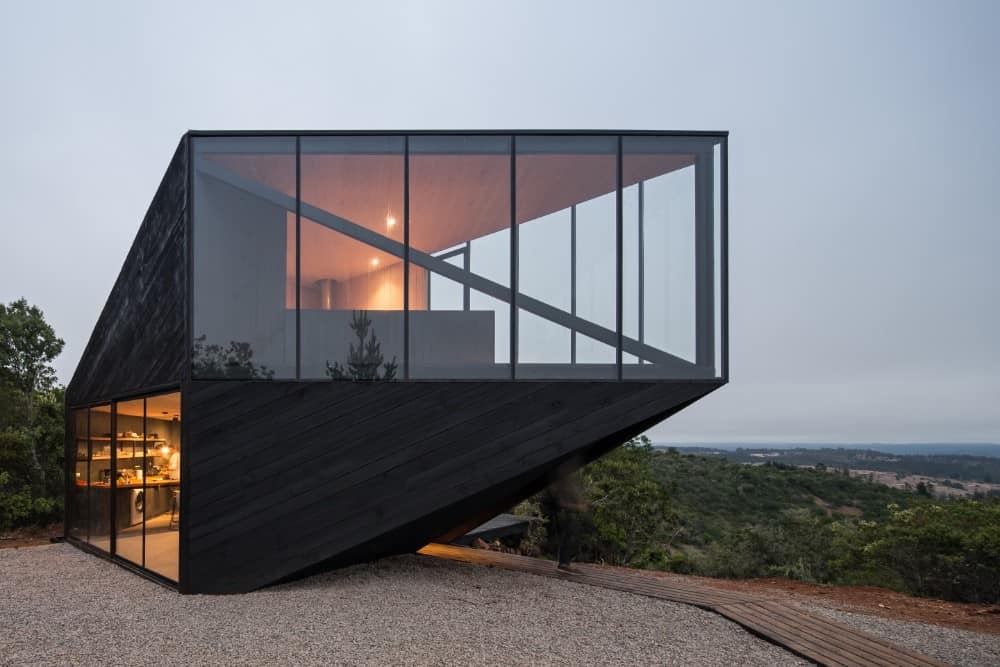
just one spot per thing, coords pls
(631, 518)
(365, 362)
(940, 549)
(31, 418)
(234, 361)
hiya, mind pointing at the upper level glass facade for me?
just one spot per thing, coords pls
(459, 256)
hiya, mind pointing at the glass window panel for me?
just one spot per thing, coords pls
(669, 283)
(79, 483)
(566, 215)
(162, 481)
(129, 471)
(244, 257)
(351, 287)
(460, 257)
(99, 510)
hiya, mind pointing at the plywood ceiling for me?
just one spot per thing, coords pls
(453, 198)
(162, 406)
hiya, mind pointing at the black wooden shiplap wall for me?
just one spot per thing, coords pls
(282, 479)
(287, 478)
(139, 341)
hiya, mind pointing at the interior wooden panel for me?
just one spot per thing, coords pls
(454, 198)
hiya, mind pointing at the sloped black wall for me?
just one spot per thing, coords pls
(139, 339)
(286, 478)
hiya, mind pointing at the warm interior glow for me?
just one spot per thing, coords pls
(337, 272)
(164, 450)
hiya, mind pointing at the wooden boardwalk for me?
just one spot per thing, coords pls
(812, 637)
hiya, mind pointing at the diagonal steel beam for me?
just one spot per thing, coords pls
(450, 271)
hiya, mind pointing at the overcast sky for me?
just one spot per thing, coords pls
(864, 163)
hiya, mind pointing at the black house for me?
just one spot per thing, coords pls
(327, 347)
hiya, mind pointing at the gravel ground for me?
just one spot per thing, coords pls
(955, 647)
(59, 605)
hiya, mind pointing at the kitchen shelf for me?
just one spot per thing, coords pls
(124, 456)
(121, 439)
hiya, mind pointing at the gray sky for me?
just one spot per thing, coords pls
(863, 163)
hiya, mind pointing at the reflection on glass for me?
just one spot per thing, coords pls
(99, 510)
(351, 258)
(460, 257)
(129, 474)
(566, 200)
(244, 258)
(79, 482)
(341, 262)
(162, 484)
(668, 255)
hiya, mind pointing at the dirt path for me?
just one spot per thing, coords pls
(30, 537)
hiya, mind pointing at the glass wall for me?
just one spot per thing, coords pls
(566, 236)
(101, 468)
(79, 481)
(301, 245)
(127, 480)
(670, 258)
(351, 280)
(130, 454)
(162, 484)
(244, 258)
(459, 257)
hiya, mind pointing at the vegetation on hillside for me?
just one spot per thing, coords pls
(31, 419)
(705, 515)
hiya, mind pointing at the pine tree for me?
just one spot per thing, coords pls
(364, 360)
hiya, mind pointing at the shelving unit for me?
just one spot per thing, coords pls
(133, 455)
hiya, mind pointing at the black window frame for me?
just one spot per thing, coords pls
(713, 357)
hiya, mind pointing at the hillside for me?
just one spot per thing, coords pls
(958, 467)
(706, 515)
(714, 497)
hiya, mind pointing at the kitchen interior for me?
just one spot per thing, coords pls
(134, 467)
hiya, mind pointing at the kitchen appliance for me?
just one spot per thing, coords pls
(135, 507)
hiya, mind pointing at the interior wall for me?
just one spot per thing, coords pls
(240, 276)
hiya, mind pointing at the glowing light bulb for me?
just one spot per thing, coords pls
(375, 262)
(390, 221)
(164, 450)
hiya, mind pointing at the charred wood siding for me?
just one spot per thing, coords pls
(139, 340)
(287, 478)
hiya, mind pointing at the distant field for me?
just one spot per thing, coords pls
(965, 473)
(986, 449)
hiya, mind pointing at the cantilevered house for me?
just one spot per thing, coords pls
(326, 347)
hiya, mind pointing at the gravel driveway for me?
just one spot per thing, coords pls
(59, 605)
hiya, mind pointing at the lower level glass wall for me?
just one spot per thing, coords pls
(126, 481)
(163, 484)
(129, 478)
(99, 513)
(79, 477)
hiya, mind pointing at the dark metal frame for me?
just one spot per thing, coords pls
(705, 307)
(112, 555)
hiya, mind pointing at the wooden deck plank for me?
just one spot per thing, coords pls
(813, 637)
(777, 634)
(838, 632)
(836, 644)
